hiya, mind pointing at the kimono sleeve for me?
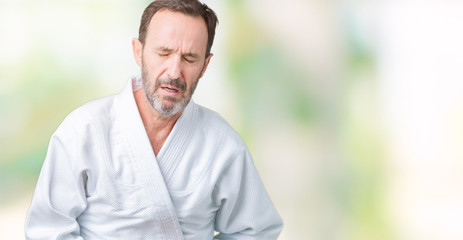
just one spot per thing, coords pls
(245, 211)
(59, 196)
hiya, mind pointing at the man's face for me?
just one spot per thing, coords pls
(172, 60)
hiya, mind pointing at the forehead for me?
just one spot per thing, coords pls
(177, 30)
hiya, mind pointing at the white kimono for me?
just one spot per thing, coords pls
(101, 179)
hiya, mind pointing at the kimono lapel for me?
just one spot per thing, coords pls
(178, 140)
(138, 142)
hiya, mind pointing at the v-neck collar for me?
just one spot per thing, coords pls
(138, 143)
(178, 139)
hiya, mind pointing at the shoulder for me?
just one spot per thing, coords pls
(85, 118)
(212, 122)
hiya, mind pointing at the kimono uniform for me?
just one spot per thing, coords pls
(102, 180)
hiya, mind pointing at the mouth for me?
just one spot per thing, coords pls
(170, 90)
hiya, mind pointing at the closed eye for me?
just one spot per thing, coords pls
(190, 60)
(163, 52)
(190, 57)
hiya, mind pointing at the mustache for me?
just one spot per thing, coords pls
(169, 81)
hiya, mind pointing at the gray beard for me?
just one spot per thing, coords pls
(167, 111)
(156, 100)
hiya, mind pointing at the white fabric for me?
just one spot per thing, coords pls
(101, 179)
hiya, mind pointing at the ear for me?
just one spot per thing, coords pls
(137, 48)
(206, 63)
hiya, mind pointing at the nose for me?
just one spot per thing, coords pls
(175, 68)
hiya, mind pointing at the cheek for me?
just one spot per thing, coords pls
(152, 62)
(153, 67)
(193, 73)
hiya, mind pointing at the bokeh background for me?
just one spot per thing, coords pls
(352, 109)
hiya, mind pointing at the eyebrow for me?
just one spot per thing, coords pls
(164, 49)
(193, 55)
(169, 50)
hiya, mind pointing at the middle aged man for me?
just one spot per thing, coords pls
(149, 163)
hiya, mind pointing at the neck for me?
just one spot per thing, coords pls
(157, 127)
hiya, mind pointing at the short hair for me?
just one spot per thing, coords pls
(192, 8)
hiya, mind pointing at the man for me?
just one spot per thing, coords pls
(149, 163)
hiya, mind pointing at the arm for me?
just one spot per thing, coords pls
(59, 197)
(246, 211)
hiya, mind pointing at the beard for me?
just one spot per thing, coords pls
(158, 102)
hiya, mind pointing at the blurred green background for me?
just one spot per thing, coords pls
(352, 110)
